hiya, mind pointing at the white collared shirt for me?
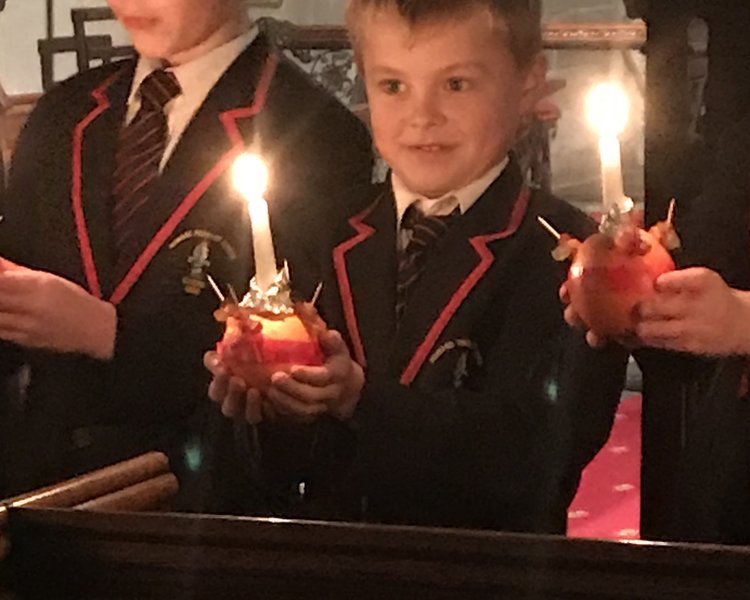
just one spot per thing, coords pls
(196, 78)
(463, 198)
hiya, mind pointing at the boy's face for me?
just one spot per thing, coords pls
(170, 29)
(445, 97)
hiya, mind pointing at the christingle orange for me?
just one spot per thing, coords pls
(266, 333)
(613, 270)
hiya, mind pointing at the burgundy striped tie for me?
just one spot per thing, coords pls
(139, 153)
(424, 232)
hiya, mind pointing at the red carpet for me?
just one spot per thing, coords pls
(608, 501)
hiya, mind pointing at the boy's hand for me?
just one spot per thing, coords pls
(308, 392)
(303, 396)
(695, 311)
(573, 319)
(237, 402)
(42, 310)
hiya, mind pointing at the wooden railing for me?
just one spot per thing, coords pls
(75, 554)
(556, 36)
(138, 484)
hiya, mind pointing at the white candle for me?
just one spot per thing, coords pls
(613, 193)
(251, 179)
(608, 108)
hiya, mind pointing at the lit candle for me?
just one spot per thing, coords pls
(608, 109)
(251, 179)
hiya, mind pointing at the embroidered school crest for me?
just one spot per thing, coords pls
(466, 356)
(199, 259)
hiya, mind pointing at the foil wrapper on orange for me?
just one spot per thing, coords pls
(267, 333)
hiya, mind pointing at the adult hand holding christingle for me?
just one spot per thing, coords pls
(42, 310)
(694, 310)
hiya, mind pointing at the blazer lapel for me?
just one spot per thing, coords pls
(220, 126)
(446, 299)
(365, 265)
(94, 146)
(220, 131)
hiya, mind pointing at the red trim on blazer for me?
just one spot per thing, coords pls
(364, 231)
(76, 193)
(228, 119)
(487, 258)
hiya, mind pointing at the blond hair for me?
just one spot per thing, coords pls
(523, 23)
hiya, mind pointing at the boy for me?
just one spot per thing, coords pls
(120, 201)
(473, 404)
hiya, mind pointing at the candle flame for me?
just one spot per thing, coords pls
(608, 109)
(250, 175)
(251, 179)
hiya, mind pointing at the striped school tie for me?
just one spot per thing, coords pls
(423, 232)
(139, 153)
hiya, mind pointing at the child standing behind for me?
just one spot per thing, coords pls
(472, 402)
(120, 198)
